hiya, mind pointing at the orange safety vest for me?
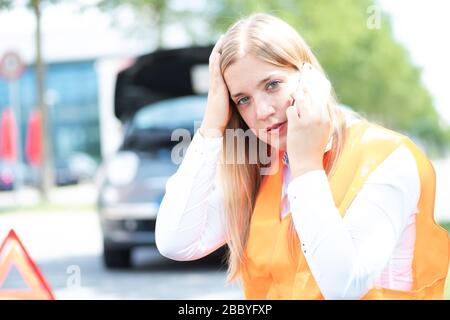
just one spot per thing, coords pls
(270, 273)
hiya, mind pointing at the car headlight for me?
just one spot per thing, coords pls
(110, 195)
(122, 169)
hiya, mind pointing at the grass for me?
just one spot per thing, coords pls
(445, 225)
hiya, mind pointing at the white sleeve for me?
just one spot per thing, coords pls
(190, 222)
(345, 255)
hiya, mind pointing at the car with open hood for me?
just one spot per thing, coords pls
(161, 92)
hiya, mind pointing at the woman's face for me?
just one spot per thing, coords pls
(261, 92)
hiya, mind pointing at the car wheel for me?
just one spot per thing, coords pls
(115, 258)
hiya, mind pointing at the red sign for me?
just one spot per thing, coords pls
(8, 135)
(13, 253)
(11, 66)
(33, 141)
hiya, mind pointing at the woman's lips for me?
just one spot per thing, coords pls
(278, 128)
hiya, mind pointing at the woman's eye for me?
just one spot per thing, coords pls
(242, 101)
(273, 84)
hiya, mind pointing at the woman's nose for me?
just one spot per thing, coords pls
(264, 109)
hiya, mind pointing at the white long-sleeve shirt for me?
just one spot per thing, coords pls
(371, 245)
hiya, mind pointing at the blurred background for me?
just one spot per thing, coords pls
(90, 92)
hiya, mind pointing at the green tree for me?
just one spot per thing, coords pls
(158, 15)
(154, 11)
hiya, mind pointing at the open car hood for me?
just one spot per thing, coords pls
(160, 75)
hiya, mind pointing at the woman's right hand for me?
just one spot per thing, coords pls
(217, 113)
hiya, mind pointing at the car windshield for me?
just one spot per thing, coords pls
(151, 128)
(173, 113)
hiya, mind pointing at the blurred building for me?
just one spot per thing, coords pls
(72, 96)
(82, 55)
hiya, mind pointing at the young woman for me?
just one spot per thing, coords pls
(344, 212)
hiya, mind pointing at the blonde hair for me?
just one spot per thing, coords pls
(274, 41)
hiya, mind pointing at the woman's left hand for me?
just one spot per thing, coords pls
(309, 124)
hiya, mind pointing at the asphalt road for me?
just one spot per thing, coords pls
(67, 248)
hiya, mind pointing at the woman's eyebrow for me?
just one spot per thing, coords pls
(259, 83)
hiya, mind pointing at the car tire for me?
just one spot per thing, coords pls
(116, 258)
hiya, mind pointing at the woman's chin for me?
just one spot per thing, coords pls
(278, 143)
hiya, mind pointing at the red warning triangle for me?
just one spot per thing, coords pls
(12, 252)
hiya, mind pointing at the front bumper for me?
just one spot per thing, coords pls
(129, 225)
